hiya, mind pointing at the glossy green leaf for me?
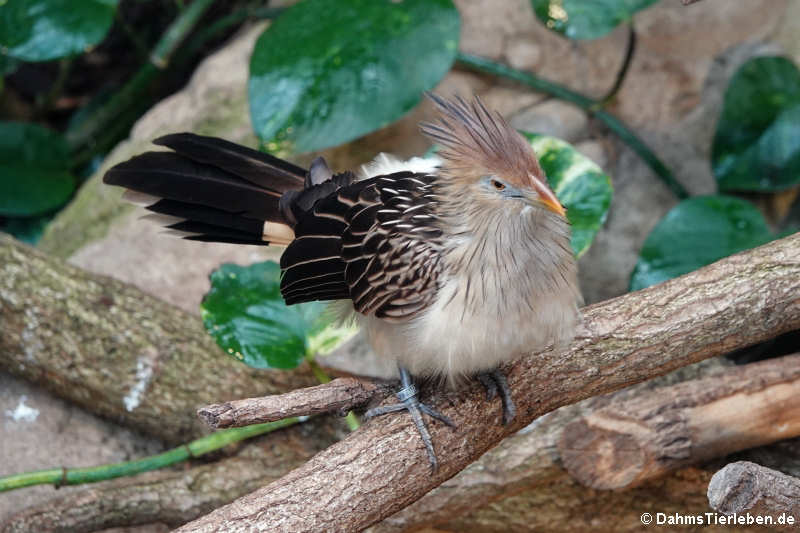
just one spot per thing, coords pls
(34, 177)
(245, 314)
(579, 184)
(41, 30)
(28, 229)
(757, 143)
(586, 19)
(7, 64)
(327, 72)
(695, 233)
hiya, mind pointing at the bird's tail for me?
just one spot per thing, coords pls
(208, 189)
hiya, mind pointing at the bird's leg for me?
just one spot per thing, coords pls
(409, 402)
(495, 381)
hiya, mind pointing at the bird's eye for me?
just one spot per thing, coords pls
(498, 185)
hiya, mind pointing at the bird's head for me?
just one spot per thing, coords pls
(484, 156)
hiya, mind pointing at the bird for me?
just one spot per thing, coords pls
(451, 267)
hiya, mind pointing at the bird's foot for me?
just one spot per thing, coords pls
(410, 402)
(495, 382)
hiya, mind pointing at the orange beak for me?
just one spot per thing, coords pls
(547, 197)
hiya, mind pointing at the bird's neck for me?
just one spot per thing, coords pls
(496, 247)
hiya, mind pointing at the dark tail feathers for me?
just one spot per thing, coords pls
(209, 189)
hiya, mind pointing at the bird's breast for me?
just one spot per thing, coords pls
(480, 320)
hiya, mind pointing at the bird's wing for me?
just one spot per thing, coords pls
(376, 242)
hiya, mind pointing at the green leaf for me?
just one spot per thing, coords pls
(757, 143)
(8, 65)
(34, 175)
(245, 313)
(27, 229)
(41, 30)
(586, 19)
(695, 233)
(580, 185)
(327, 72)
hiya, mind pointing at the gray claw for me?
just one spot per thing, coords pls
(409, 402)
(496, 382)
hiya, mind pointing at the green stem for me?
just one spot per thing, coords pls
(351, 418)
(352, 421)
(107, 114)
(220, 26)
(591, 106)
(111, 136)
(196, 448)
(320, 374)
(626, 63)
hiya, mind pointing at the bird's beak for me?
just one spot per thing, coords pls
(546, 197)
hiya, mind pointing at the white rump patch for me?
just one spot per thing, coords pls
(389, 164)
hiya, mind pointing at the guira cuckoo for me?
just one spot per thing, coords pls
(450, 268)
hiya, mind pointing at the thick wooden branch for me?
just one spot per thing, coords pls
(628, 442)
(382, 468)
(115, 350)
(339, 395)
(529, 460)
(747, 487)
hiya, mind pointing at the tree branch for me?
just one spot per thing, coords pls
(628, 442)
(115, 350)
(382, 468)
(340, 395)
(747, 487)
(529, 460)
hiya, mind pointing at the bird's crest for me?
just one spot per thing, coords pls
(476, 142)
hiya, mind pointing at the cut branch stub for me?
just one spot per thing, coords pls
(629, 442)
(747, 487)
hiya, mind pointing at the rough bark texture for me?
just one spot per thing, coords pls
(114, 350)
(642, 438)
(382, 468)
(571, 507)
(521, 485)
(746, 487)
(340, 395)
(177, 496)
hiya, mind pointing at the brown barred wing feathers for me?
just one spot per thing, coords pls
(388, 243)
(312, 265)
(395, 273)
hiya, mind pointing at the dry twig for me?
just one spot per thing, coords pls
(340, 395)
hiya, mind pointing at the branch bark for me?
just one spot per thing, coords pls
(115, 350)
(340, 395)
(382, 468)
(628, 442)
(747, 487)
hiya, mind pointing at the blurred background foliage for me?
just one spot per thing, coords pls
(78, 73)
